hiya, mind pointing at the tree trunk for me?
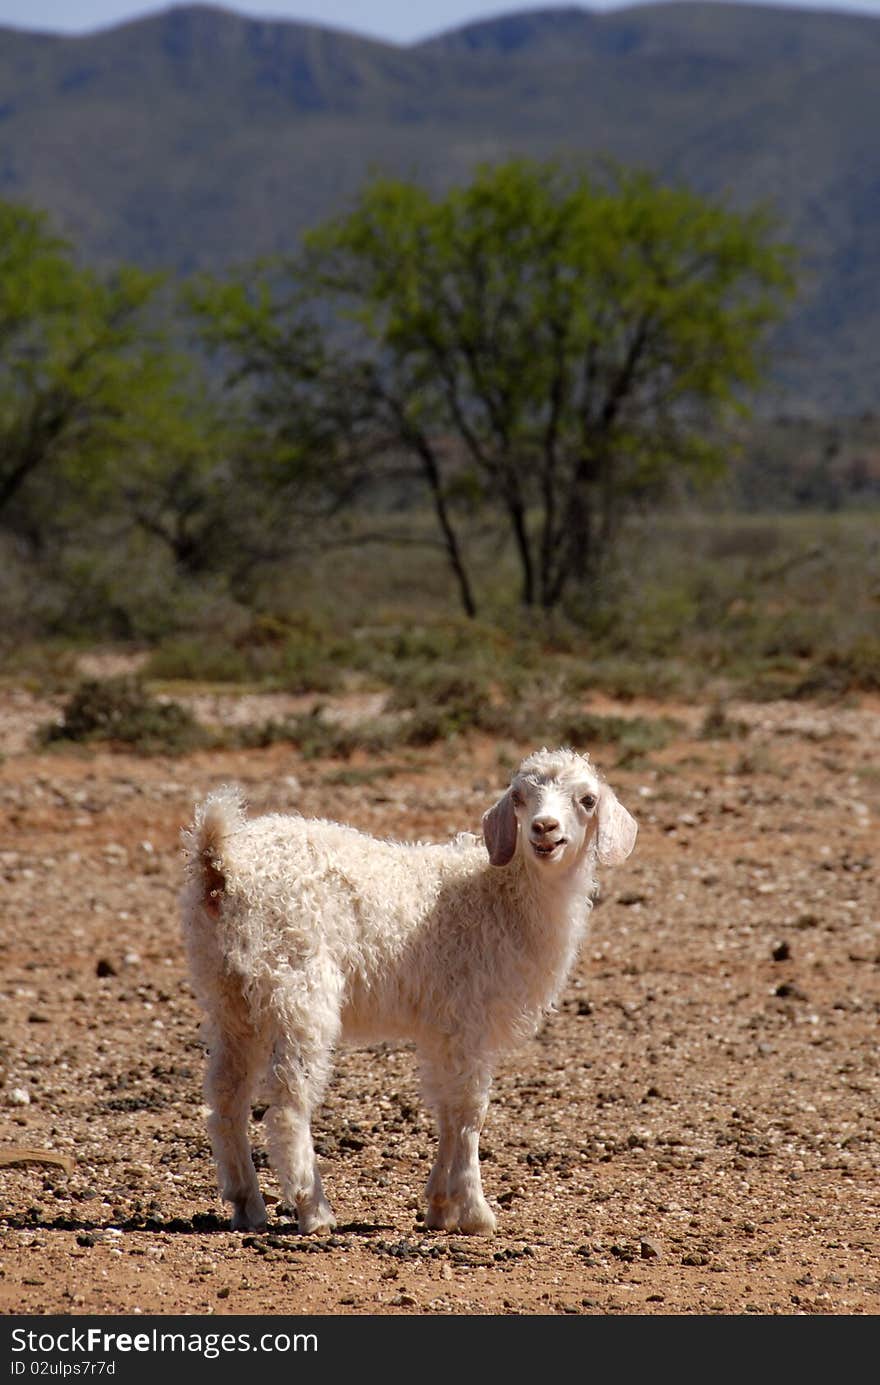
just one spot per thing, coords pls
(412, 437)
(521, 538)
(575, 556)
(444, 519)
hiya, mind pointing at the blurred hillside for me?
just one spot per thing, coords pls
(197, 138)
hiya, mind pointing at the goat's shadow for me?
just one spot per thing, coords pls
(200, 1224)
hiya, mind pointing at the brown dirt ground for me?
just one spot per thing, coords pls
(693, 1131)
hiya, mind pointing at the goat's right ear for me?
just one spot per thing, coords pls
(499, 830)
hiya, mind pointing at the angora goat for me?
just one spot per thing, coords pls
(302, 933)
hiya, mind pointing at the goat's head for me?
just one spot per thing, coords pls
(555, 808)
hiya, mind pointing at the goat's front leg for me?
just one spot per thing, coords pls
(229, 1083)
(460, 1098)
(465, 1188)
(440, 1214)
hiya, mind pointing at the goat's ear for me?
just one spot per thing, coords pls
(499, 830)
(617, 830)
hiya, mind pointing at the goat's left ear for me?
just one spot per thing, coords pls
(617, 830)
(500, 829)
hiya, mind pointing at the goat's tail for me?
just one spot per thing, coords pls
(220, 815)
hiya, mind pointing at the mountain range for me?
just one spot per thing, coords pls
(196, 138)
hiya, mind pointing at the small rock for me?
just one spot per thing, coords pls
(806, 921)
(782, 952)
(18, 1096)
(789, 990)
(623, 1252)
(18, 1156)
(104, 967)
(649, 1249)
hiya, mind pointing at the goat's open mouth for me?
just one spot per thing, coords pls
(548, 848)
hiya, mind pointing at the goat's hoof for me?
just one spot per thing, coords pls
(478, 1222)
(244, 1220)
(248, 1212)
(311, 1222)
(441, 1217)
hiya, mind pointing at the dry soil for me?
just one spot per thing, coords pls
(693, 1131)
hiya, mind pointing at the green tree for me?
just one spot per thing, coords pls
(577, 337)
(86, 384)
(551, 346)
(305, 405)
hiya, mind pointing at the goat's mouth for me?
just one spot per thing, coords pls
(547, 849)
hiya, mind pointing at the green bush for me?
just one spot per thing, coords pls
(443, 684)
(41, 667)
(627, 678)
(198, 660)
(296, 656)
(633, 735)
(121, 710)
(316, 736)
(718, 726)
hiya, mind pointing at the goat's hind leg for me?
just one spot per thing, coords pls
(297, 1077)
(233, 1066)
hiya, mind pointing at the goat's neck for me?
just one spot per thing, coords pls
(561, 901)
(554, 921)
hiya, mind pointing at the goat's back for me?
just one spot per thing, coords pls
(414, 937)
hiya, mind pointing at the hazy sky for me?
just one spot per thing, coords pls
(399, 21)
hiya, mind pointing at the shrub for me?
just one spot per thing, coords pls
(443, 685)
(41, 667)
(633, 735)
(198, 661)
(629, 678)
(854, 668)
(121, 710)
(718, 726)
(316, 736)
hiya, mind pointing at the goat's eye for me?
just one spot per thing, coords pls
(588, 801)
(517, 798)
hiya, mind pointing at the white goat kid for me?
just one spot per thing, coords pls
(302, 933)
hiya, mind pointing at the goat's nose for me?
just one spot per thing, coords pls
(544, 824)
